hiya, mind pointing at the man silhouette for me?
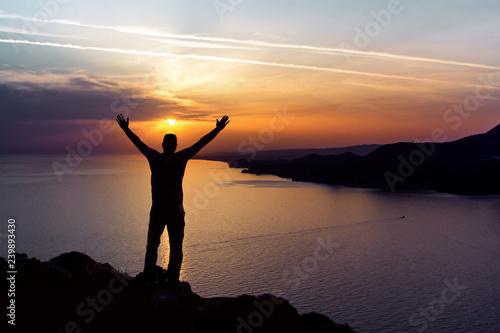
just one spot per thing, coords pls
(167, 172)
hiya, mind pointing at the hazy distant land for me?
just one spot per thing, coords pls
(270, 155)
(470, 165)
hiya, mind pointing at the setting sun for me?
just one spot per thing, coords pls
(171, 121)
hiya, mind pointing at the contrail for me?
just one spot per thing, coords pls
(222, 59)
(336, 51)
(35, 33)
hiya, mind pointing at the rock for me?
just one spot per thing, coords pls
(74, 293)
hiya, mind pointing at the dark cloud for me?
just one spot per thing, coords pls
(37, 119)
(193, 116)
(29, 102)
(84, 83)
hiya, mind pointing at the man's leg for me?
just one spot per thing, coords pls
(157, 221)
(175, 227)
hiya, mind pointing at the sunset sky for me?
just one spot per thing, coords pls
(346, 72)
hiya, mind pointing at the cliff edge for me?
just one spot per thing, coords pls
(72, 293)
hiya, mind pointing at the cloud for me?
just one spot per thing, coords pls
(251, 43)
(56, 80)
(30, 102)
(89, 84)
(242, 61)
(199, 116)
(46, 120)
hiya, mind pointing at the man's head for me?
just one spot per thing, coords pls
(169, 143)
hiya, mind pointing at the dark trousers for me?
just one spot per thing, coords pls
(171, 216)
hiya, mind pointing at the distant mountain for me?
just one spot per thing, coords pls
(470, 165)
(271, 155)
(296, 168)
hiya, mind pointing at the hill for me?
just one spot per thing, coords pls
(272, 155)
(470, 165)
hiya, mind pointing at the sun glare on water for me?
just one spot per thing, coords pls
(171, 121)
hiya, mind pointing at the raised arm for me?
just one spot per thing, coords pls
(145, 150)
(219, 126)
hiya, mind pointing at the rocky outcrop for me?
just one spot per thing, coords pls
(73, 293)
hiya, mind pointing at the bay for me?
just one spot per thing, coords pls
(345, 252)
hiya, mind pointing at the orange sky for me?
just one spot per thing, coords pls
(398, 81)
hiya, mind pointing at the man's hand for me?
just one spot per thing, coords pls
(220, 123)
(122, 122)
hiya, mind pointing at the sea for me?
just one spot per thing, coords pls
(376, 260)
